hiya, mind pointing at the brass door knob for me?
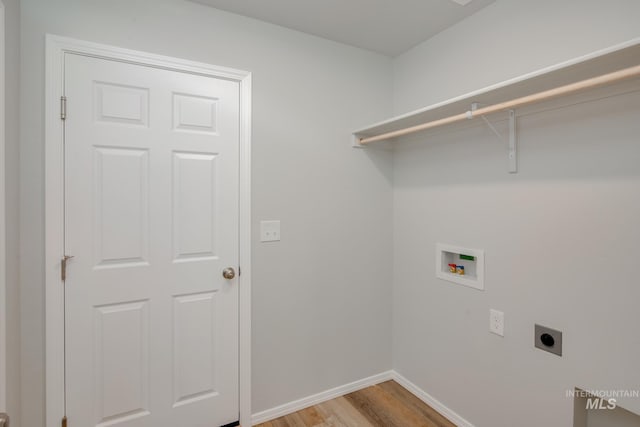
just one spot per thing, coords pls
(228, 273)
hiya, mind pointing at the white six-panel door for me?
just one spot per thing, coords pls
(151, 219)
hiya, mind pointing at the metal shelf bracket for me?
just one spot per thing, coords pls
(512, 150)
(513, 144)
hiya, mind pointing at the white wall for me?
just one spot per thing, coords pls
(321, 309)
(321, 312)
(559, 236)
(12, 79)
(507, 39)
(3, 239)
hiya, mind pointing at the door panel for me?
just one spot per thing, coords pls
(194, 216)
(151, 217)
(195, 341)
(121, 192)
(121, 361)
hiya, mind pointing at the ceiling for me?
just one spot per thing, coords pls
(390, 27)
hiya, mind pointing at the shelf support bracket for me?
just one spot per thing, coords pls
(512, 151)
(512, 155)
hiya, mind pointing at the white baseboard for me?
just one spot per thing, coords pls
(431, 401)
(297, 405)
(305, 402)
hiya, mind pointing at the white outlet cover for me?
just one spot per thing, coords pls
(269, 231)
(496, 322)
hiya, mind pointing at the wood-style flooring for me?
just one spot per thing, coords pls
(384, 405)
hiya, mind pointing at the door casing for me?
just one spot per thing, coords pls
(56, 48)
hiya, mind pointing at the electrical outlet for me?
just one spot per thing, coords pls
(496, 322)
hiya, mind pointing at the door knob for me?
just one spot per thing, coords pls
(228, 273)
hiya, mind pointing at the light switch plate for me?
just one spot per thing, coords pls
(269, 231)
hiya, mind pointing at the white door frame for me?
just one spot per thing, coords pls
(57, 47)
(3, 236)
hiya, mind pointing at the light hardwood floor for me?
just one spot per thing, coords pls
(384, 405)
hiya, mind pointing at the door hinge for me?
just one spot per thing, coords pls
(63, 267)
(63, 108)
(64, 421)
